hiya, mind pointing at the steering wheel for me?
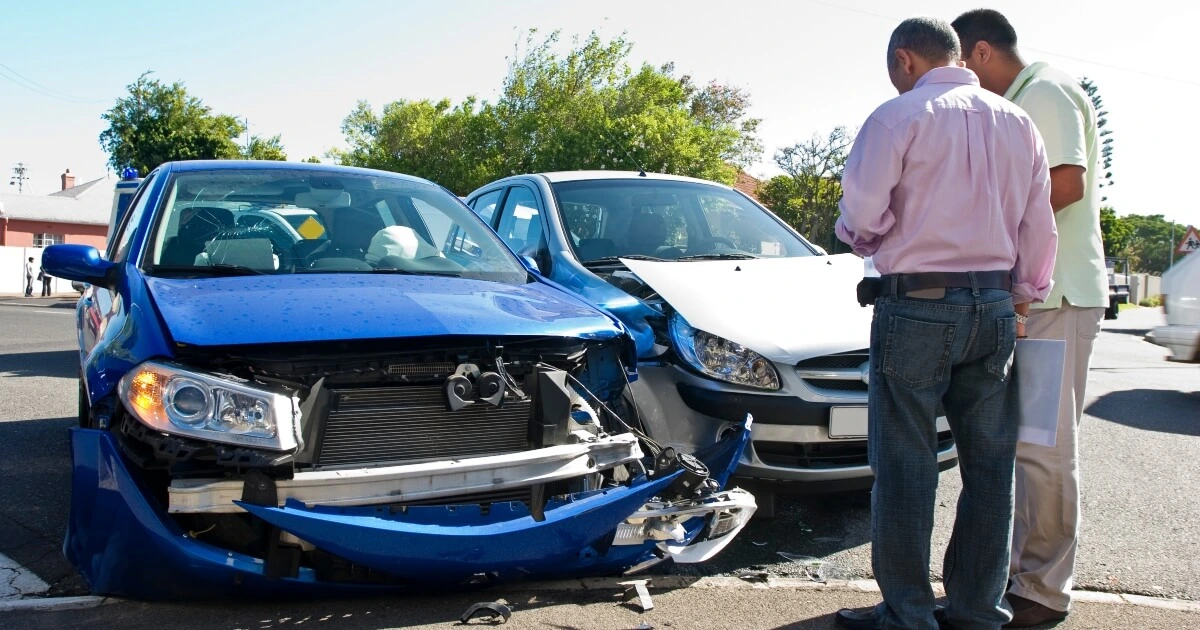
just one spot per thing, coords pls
(708, 243)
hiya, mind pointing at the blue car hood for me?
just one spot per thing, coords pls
(334, 307)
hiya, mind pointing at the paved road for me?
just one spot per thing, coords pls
(1140, 448)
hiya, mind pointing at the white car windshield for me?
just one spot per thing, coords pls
(671, 220)
(280, 221)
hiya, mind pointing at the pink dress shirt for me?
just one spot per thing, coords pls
(950, 177)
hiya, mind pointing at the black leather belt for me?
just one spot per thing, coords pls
(901, 284)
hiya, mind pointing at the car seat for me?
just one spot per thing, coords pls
(198, 226)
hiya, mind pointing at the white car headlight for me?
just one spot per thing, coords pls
(721, 358)
(173, 400)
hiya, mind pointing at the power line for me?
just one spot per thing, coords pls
(33, 86)
(1161, 77)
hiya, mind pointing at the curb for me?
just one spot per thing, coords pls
(671, 582)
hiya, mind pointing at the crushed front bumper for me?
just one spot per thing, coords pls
(122, 539)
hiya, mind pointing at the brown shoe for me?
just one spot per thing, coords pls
(1028, 613)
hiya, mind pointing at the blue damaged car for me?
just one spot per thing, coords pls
(307, 379)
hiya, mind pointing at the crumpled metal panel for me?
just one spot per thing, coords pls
(439, 543)
(122, 541)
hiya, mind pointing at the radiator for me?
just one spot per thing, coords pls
(394, 425)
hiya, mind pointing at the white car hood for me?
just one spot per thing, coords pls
(786, 309)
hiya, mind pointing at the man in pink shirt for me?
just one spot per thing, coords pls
(947, 189)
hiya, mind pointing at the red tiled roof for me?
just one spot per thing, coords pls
(747, 183)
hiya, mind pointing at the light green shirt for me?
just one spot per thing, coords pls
(1064, 115)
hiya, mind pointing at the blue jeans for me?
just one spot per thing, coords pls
(957, 350)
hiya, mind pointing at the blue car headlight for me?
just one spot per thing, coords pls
(178, 401)
(721, 358)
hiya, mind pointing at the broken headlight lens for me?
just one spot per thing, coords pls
(173, 400)
(721, 358)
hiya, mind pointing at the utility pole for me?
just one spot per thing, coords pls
(19, 177)
(1172, 263)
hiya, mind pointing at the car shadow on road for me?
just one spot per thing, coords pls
(54, 363)
(1150, 409)
(35, 494)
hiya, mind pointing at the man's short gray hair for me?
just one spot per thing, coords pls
(930, 38)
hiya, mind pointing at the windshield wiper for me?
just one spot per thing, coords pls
(616, 260)
(217, 269)
(410, 272)
(717, 257)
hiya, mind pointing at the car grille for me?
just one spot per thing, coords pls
(835, 372)
(824, 455)
(409, 424)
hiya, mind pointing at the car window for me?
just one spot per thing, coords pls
(521, 225)
(485, 204)
(118, 248)
(670, 220)
(734, 225)
(281, 221)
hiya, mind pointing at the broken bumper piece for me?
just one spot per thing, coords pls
(124, 542)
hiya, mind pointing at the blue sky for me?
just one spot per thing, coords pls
(297, 68)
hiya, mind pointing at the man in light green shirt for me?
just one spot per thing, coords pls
(1046, 514)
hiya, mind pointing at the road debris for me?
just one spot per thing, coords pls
(642, 590)
(496, 612)
(814, 568)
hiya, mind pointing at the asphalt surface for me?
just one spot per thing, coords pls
(1139, 449)
(601, 608)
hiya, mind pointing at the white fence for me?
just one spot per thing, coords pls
(12, 272)
(1141, 285)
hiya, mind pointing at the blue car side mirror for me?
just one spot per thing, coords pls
(77, 262)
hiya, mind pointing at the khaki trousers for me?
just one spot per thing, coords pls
(1046, 512)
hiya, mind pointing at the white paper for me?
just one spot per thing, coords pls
(1039, 371)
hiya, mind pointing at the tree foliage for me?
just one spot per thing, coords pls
(1106, 143)
(584, 109)
(807, 195)
(157, 123)
(1145, 240)
(260, 148)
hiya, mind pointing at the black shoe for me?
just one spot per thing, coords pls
(1028, 613)
(939, 613)
(861, 619)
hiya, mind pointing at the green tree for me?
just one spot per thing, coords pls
(157, 123)
(584, 109)
(261, 148)
(1116, 233)
(312, 159)
(807, 195)
(1106, 144)
(1151, 243)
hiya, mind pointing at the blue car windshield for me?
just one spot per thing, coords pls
(278, 221)
(672, 220)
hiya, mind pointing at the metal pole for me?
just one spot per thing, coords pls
(1172, 244)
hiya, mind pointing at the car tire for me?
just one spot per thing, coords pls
(1112, 310)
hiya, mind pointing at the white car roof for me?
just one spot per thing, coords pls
(575, 176)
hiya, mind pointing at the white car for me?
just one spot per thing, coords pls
(733, 311)
(1181, 303)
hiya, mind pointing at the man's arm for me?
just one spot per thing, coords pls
(1037, 237)
(872, 171)
(1067, 185)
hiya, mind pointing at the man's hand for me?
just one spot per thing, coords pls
(1067, 185)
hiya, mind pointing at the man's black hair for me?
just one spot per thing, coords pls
(930, 38)
(985, 25)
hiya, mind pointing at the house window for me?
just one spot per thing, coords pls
(46, 240)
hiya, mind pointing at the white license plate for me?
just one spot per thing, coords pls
(847, 422)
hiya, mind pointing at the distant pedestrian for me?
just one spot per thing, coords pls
(45, 278)
(29, 277)
(947, 189)
(1046, 524)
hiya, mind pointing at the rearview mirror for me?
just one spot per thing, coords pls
(77, 262)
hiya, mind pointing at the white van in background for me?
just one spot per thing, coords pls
(1181, 303)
